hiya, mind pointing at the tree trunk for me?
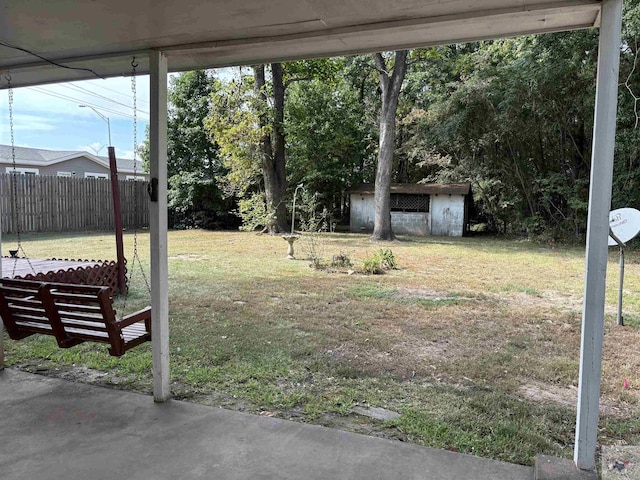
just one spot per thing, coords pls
(280, 187)
(272, 160)
(390, 86)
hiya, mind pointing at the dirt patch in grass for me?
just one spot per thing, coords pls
(541, 392)
(188, 258)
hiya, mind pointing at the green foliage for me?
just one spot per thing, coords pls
(341, 260)
(234, 123)
(313, 222)
(513, 117)
(196, 202)
(380, 261)
(372, 265)
(193, 156)
(387, 259)
(254, 212)
(189, 148)
(327, 140)
(312, 217)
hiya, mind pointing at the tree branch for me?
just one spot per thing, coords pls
(381, 67)
(399, 69)
(297, 79)
(627, 84)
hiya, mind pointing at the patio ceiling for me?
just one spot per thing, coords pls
(103, 35)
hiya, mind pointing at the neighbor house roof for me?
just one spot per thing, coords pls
(420, 188)
(38, 157)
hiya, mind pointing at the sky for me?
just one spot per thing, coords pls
(50, 116)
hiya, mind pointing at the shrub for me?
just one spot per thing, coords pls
(380, 261)
(372, 265)
(254, 212)
(341, 260)
(387, 259)
(196, 202)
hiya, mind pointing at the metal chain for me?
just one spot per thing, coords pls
(136, 257)
(135, 172)
(16, 204)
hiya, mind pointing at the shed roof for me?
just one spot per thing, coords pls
(420, 188)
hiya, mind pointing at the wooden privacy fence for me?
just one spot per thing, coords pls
(55, 204)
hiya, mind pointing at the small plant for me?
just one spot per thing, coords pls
(387, 259)
(341, 260)
(380, 261)
(313, 223)
(372, 265)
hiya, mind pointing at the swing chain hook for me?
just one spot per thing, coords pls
(134, 65)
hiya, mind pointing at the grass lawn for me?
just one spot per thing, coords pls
(473, 341)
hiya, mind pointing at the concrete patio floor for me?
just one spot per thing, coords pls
(55, 429)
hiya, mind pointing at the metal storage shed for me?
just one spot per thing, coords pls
(416, 209)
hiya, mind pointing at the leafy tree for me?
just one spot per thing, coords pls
(516, 122)
(193, 156)
(272, 144)
(328, 140)
(248, 121)
(240, 121)
(189, 146)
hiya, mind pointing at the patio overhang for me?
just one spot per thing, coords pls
(102, 36)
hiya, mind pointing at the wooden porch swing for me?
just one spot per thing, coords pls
(73, 313)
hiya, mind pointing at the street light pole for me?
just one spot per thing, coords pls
(117, 207)
(103, 117)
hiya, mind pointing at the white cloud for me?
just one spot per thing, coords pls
(112, 98)
(38, 123)
(128, 154)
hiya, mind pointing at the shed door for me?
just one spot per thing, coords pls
(447, 215)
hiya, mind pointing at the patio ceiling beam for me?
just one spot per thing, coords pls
(158, 226)
(604, 132)
(458, 20)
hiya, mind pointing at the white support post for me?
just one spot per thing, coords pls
(158, 226)
(604, 131)
(1, 323)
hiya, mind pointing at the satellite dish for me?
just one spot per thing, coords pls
(625, 224)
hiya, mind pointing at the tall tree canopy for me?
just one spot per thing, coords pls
(195, 200)
(514, 117)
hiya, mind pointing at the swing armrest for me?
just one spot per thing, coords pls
(140, 315)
